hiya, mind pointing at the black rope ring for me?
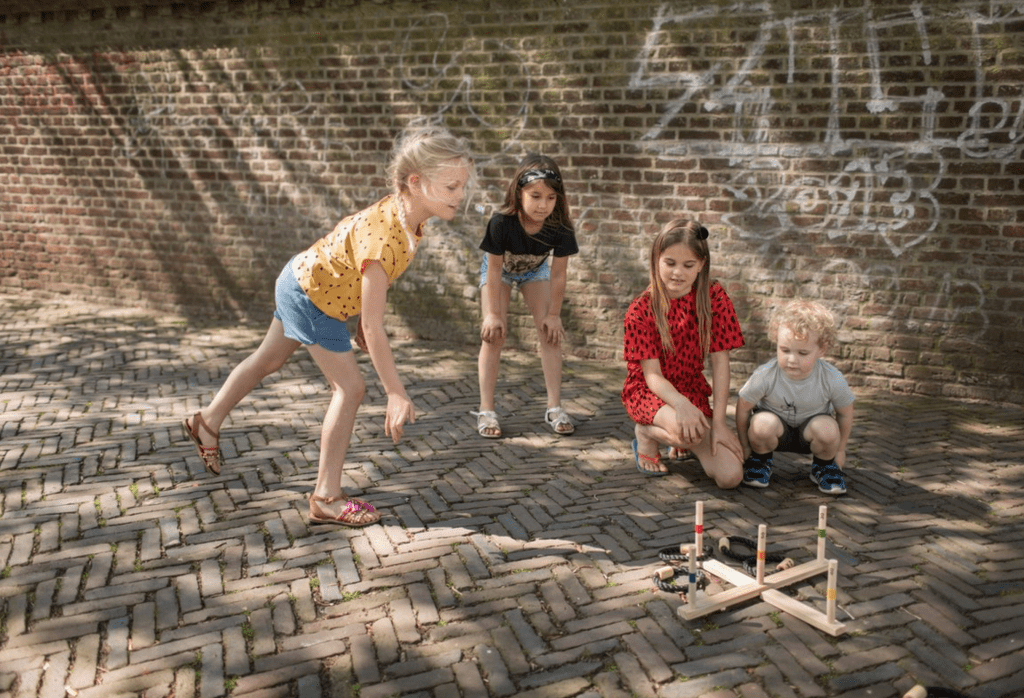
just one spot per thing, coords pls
(670, 586)
(671, 554)
(726, 545)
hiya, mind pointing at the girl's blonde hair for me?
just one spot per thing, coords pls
(804, 318)
(535, 168)
(423, 150)
(694, 236)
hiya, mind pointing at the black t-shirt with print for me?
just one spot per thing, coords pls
(521, 251)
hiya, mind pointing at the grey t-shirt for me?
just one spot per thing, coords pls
(822, 392)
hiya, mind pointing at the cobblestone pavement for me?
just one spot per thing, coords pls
(520, 567)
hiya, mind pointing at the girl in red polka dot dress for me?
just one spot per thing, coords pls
(682, 321)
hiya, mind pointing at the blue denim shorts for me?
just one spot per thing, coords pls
(541, 273)
(303, 321)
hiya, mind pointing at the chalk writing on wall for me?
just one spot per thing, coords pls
(881, 187)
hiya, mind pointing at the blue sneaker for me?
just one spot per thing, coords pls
(829, 478)
(757, 473)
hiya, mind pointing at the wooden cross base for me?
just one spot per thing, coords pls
(745, 587)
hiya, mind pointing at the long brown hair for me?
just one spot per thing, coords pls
(559, 218)
(694, 236)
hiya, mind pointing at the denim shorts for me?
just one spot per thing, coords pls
(303, 321)
(541, 273)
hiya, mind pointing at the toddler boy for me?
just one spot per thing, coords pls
(797, 402)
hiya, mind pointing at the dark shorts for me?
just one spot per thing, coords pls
(792, 439)
(303, 321)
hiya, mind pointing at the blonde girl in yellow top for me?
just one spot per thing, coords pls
(347, 273)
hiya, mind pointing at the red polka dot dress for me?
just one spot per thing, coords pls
(685, 368)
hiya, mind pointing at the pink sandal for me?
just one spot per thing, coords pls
(356, 513)
(211, 455)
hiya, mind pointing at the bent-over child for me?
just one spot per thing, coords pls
(345, 274)
(681, 322)
(797, 402)
(527, 244)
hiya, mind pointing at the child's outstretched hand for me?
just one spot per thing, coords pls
(492, 329)
(552, 330)
(400, 410)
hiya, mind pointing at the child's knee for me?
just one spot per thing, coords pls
(823, 430)
(765, 429)
(727, 475)
(353, 390)
(729, 481)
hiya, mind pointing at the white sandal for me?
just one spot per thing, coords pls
(485, 420)
(559, 421)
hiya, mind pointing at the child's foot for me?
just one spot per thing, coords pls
(487, 424)
(648, 465)
(829, 478)
(559, 421)
(757, 473)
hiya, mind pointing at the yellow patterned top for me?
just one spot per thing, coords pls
(331, 271)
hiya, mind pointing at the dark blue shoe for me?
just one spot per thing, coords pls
(829, 478)
(757, 473)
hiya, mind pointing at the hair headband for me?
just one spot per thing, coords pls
(533, 175)
(701, 233)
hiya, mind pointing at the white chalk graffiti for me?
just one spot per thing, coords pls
(880, 186)
(445, 73)
(837, 185)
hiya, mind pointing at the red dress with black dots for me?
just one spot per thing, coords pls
(685, 368)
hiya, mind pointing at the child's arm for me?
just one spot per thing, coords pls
(720, 431)
(375, 291)
(492, 326)
(844, 416)
(690, 422)
(552, 323)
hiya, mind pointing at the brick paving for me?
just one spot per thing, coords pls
(519, 567)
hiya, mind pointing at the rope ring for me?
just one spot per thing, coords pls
(725, 546)
(671, 587)
(673, 554)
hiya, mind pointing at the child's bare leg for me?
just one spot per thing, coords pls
(723, 467)
(489, 360)
(271, 354)
(537, 295)
(347, 390)
(822, 433)
(764, 432)
(488, 364)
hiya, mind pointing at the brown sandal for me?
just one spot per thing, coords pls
(356, 513)
(212, 458)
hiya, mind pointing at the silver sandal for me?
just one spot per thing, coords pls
(559, 421)
(485, 420)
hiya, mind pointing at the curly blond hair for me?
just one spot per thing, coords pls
(804, 318)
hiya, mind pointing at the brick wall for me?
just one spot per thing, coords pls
(866, 153)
